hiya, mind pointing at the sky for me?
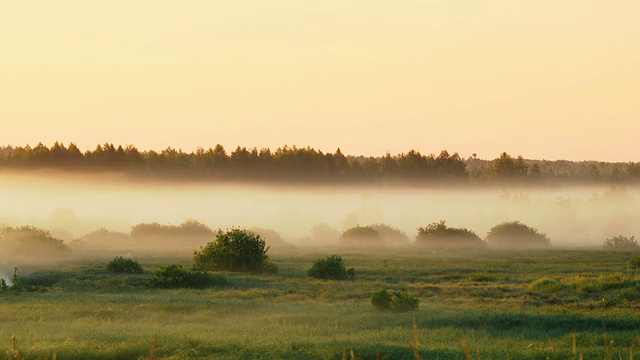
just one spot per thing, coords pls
(543, 79)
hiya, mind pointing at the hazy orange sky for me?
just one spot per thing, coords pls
(545, 79)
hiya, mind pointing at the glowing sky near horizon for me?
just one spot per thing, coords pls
(544, 79)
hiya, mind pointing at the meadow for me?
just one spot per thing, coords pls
(556, 304)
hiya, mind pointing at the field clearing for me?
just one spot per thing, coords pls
(78, 310)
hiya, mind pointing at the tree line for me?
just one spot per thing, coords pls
(307, 164)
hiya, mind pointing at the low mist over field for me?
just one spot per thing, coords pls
(71, 206)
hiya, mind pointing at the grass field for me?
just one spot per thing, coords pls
(582, 304)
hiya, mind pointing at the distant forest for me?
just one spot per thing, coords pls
(310, 165)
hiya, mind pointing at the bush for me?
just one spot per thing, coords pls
(234, 250)
(123, 265)
(546, 285)
(332, 267)
(397, 301)
(175, 276)
(634, 264)
(361, 235)
(272, 238)
(516, 235)
(103, 238)
(621, 243)
(189, 228)
(30, 242)
(438, 235)
(391, 235)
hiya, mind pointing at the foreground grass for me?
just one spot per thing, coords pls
(79, 311)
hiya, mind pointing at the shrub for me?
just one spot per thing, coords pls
(332, 267)
(189, 228)
(516, 235)
(124, 265)
(438, 235)
(103, 238)
(621, 243)
(234, 250)
(30, 242)
(397, 301)
(391, 235)
(361, 235)
(546, 285)
(272, 238)
(634, 264)
(175, 276)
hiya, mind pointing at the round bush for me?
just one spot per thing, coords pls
(438, 235)
(391, 235)
(332, 267)
(29, 242)
(516, 235)
(621, 243)
(234, 250)
(175, 276)
(361, 235)
(396, 301)
(546, 285)
(634, 264)
(124, 265)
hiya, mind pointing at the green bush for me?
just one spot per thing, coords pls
(438, 235)
(634, 264)
(124, 265)
(621, 243)
(175, 276)
(396, 301)
(546, 285)
(235, 250)
(361, 235)
(516, 235)
(30, 242)
(391, 235)
(189, 228)
(330, 268)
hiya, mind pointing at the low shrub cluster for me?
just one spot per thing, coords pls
(438, 235)
(621, 243)
(330, 268)
(235, 250)
(124, 265)
(29, 242)
(189, 228)
(396, 301)
(361, 236)
(516, 235)
(175, 276)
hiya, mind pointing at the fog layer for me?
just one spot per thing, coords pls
(70, 206)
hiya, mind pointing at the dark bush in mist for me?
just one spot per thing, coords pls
(391, 235)
(361, 236)
(621, 243)
(634, 264)
(438, 235)
(516, 235)
(29, 242)
(272, 238)
(234, 250)
(396, 301)
(124, 265)
(189, 228)
(102, 238)
(175, 276)
(330, 268)
(322, 234)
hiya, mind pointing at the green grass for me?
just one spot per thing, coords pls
(507, 305)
